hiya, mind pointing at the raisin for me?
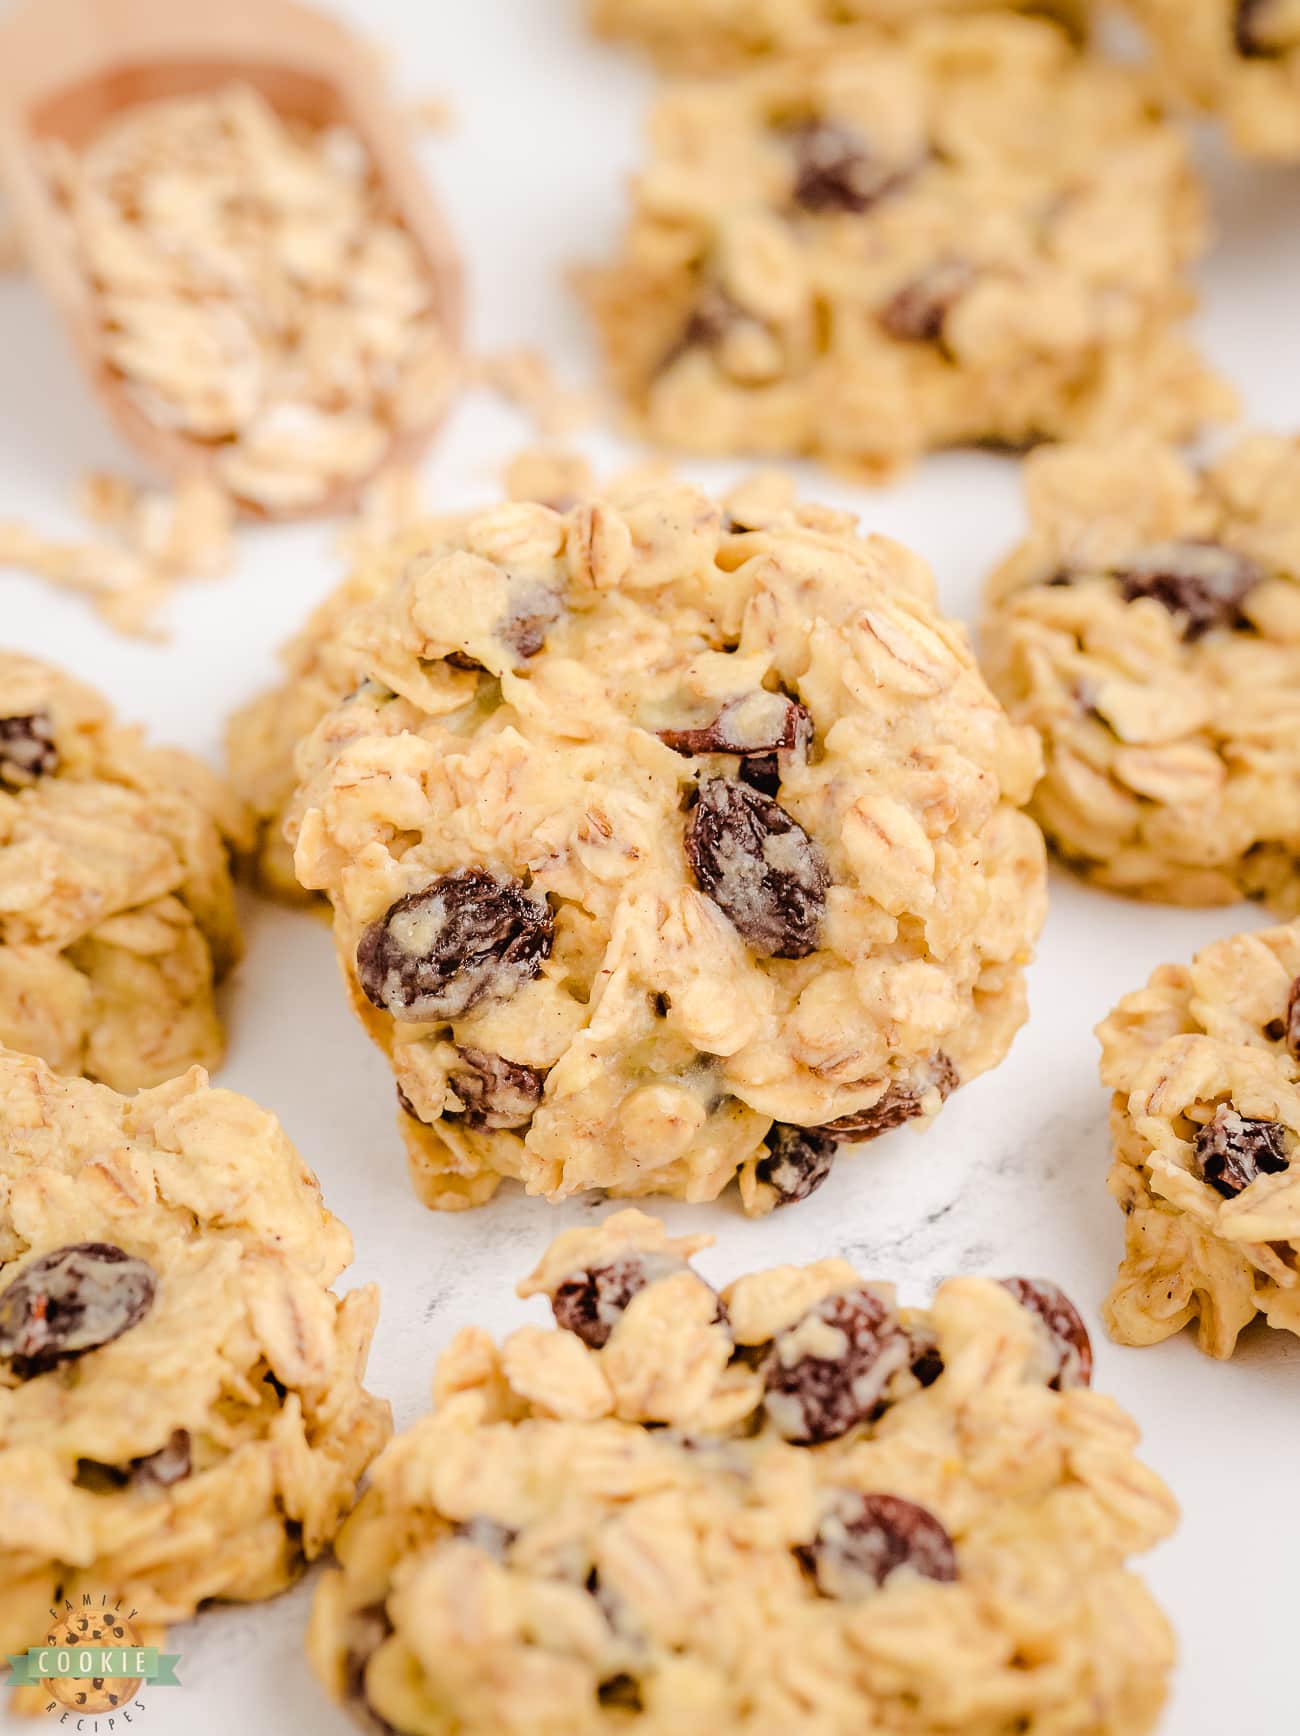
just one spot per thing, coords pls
(465, 936)
(27, 749)
(524, 628)
(1261, 31)
(834, 169)
(923, 1350)
(496, 1093)
(760, 727)
(1071, 1346)
(916, 314)
(592, 1301)
(759, 867)
(622, 1692)
(71, 1301)
(1202, 582)
(901, 1102)
(1234, 1151)
(707, 324)
(866, 1539)
(798, 1161)
(814, 1397)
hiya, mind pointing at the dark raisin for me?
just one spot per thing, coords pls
(488, 1535)
(1203, 583)
(27, 749)
(591, 1302)
(901, 1102)
(767, 730)
(1234, 1151)
(462, 660)
(835, 171)
(496, 1093)
(923, 1349)
(866, 1539)
(707, 324)
(71, 1301)
(1291, 1029)
(622, 1692)
(368, 1628)
(813, 1397)
(917, 312)
(1262, 30)
(760, 867)
(524, 629)
(1071, 1346)
(797, 1163)
(464, 937)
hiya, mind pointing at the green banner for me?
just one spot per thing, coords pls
(65, 1663)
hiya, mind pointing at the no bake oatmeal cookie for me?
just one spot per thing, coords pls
(1149, 629)
(670, 844)
(701, 35)
(116, 904)
(964, 233)
(1237, 59)
(793, 1505)
(1205, 1066)
(181, 1415)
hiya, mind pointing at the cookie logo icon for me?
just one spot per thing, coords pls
(99, 1628)
(91, 1662)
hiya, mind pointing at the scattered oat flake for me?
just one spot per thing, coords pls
(524, 378)
(435, 114)
(154, 541)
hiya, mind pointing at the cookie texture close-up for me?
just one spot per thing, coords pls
(181, 1414)
(1204, 1063)
(966, 233)
(1149, 629)
(1238, 60)
(793, 1505)
(670, 845)
(704, 35)
(117, 909)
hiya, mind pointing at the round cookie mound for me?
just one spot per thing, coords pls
(1149, 629)
(1205, 1066)
(658, 836)
(720, 33)
(117, 910)
(1237, 59)
(960, 233)
(181, 1415)
(795, 1505)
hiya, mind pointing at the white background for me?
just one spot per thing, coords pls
(1011, 1179)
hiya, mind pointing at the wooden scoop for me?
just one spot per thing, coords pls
(68, 66)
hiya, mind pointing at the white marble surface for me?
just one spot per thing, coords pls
(1011, 1178)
